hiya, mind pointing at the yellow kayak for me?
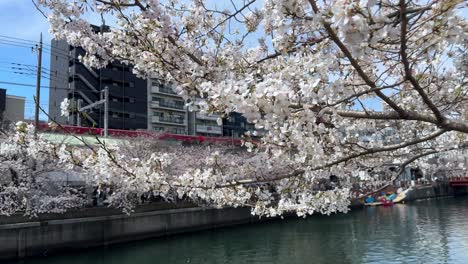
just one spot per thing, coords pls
(400, 197)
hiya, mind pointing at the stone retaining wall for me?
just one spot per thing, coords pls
(434, 191)
(20, 240)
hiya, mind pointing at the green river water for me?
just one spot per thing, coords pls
(430, 231)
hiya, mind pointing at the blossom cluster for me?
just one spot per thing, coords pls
(340, 87)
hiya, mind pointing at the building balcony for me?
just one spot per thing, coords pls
(209, 129)
(164, 90)
(207, 117)
(168, 105)
(168, 120)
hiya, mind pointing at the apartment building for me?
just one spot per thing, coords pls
(134, 103)
(207, 125)
(167, 112)
(235, 125)
(72, 79)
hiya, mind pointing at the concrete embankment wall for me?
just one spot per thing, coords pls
(90, 227)
(434, 191)
(19, 240)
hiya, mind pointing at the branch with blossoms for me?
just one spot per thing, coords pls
(339, 87)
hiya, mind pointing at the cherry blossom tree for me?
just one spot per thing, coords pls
(340, 87)
(26, 163)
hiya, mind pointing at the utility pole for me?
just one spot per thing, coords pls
(78, 115)
(103, 100)
(106, 110)
(38, 84)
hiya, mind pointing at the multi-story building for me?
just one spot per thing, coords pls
(74, 80)
(207, 125)
(134, 103)
(167, 112)
(235, 125)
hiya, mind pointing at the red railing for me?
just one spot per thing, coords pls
(131, 133)
(461, 181)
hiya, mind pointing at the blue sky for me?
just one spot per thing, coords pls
(21, 20)
(24, 23)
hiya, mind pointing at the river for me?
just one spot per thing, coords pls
(430, 231)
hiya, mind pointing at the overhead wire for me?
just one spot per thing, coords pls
(33, 69)
(28, 41)
(16, 45)
(18, 42)
(53, 75)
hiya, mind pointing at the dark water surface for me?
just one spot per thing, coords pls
(431, 231)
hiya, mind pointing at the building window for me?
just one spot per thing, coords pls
(177, 131)
(131, 84)
(157, 83)
(158, 128)
(131, 100)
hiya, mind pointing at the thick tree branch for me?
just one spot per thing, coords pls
(406, 64)
(356, 65)
(300, 172)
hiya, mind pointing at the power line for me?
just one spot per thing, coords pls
(43, 70)
(30, 73)
(29, 69)
(16, 45)
(28, 40)
(53, 75)
(33, 85)
(17, 42)
(23, 44)
(21, 39)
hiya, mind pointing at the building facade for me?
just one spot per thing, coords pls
(207, 125)
(11, 107)
(74, 80)
(235, 125)
(134, 103)
(167, 112)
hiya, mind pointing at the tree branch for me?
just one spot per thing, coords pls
(404, 60)
(299, 172)
(356, 65)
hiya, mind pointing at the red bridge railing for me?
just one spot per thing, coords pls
(461, 181)
(131, 133)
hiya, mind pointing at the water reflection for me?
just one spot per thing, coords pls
(433, 231)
